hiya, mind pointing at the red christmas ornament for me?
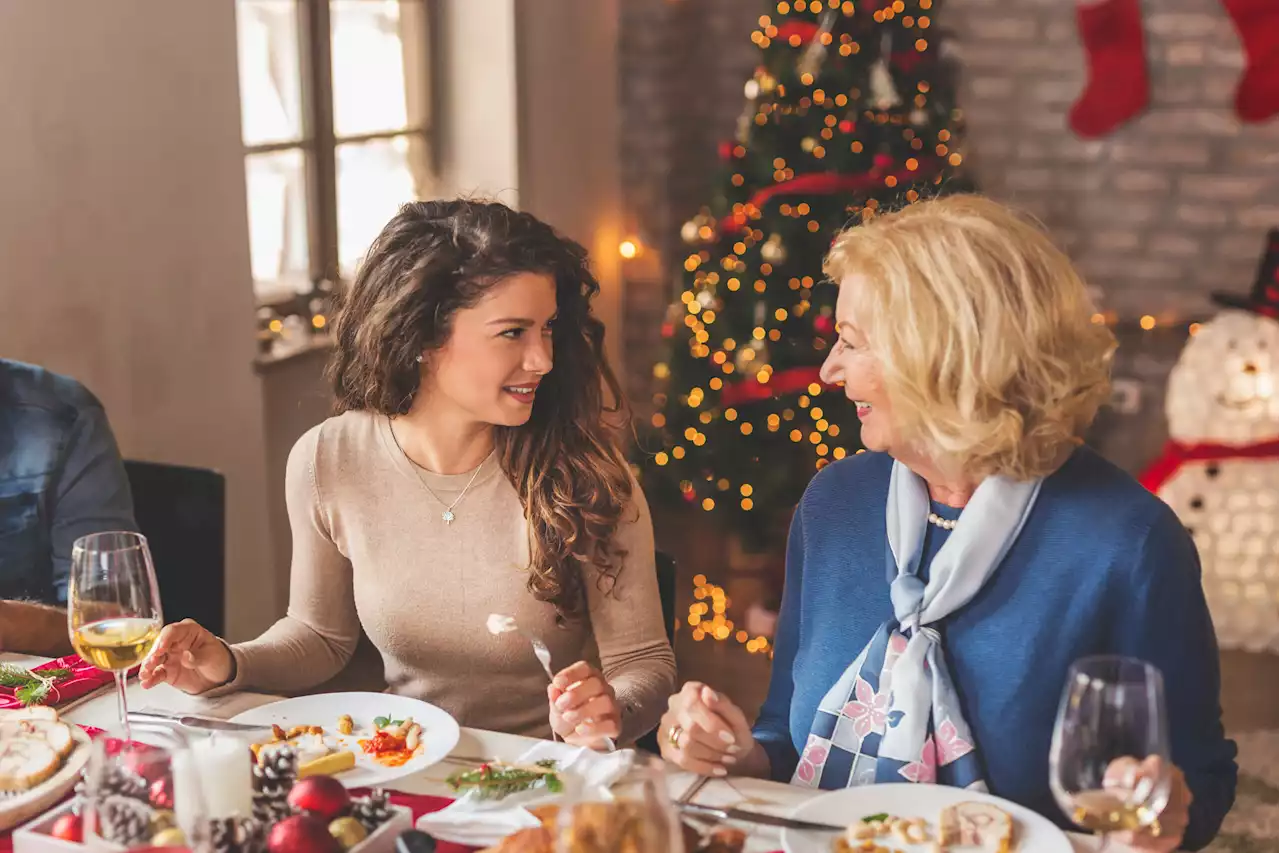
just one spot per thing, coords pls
(846, 126)
(69, 827)
(322, 796)
(824, 325)
(882, 161)
(302, 834)
(161, 793)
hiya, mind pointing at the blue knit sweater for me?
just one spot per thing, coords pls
(1102, 566)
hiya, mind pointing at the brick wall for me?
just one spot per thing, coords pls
(1168, 208)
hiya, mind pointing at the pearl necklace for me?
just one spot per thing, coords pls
(945, 523)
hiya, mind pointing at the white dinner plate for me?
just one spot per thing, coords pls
(1032, 833)
(439, 730)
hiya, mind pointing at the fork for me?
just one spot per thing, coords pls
(543, 654)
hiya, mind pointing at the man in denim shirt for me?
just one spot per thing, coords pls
(61, 477)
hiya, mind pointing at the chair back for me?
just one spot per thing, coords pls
(182, 512)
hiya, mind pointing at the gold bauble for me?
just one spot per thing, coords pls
(348, 832)
(171, 837)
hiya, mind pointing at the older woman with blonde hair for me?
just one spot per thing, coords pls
(977, 550)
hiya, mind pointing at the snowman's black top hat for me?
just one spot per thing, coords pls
(1263, 298)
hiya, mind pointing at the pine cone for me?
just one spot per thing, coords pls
(224, 835)
(277, 766)
(253, 835)
(372, 811)
(118, 781)
(123, 820)
(273, 778)
(271, 806)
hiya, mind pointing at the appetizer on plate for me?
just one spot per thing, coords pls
(979, 826)
(495, 780)
(393, 742)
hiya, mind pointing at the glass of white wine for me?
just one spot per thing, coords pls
(1111, 727)
(113, 605)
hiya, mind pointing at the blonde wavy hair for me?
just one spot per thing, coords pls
(984, 333)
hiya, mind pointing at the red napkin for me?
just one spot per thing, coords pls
(84, 679)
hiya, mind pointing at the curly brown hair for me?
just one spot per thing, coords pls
(436, 257)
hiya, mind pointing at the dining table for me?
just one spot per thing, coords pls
(99, 709)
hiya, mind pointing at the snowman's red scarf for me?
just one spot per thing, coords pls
(1176, 454)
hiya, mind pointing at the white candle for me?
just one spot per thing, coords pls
(213, 779)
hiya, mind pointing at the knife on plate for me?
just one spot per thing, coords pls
(718, 813)
(192, 721)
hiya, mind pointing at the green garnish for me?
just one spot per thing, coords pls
(380, 722)
(497, 780)
(882, 817)
(30, 687)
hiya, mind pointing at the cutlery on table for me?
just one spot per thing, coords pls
(724, 814)
(194, 721)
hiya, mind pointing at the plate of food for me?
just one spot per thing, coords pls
(361, 739)
(41, 757)
(919, 818)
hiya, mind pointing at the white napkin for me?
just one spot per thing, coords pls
(483, 823)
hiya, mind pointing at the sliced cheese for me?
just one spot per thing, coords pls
(328, 765)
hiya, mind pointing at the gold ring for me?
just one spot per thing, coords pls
(1154, 829)
(673, 736)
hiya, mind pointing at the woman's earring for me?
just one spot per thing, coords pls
(418, 358)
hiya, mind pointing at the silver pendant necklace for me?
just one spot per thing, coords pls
(448, 516)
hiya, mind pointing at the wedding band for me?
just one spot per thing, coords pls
(673, 736)
(1154, 829)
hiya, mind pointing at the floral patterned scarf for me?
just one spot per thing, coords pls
(894, 715)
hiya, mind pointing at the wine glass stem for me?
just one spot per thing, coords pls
(121, 677)
(1104, 842)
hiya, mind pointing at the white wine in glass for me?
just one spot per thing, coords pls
(113, 605)
(1111, 725)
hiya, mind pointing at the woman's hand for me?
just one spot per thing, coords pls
(1124, 774)
(584, 709)
(706, 733)
(189, 657)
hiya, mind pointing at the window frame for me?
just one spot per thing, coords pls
(318, 142)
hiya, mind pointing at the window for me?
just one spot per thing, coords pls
(335, 120)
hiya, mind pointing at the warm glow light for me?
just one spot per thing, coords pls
(1147, 322)
(629, 249)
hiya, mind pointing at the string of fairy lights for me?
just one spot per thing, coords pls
(708, 619)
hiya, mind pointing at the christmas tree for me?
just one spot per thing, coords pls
(849, 112)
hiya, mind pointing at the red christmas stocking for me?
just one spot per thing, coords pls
(1259, 91)
(1111, 33)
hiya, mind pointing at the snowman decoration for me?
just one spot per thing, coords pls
(1219, 470)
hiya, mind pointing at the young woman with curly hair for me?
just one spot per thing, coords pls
(470, 470)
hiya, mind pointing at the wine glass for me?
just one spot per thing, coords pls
(1112, 711)
(113, 605)
(634, 816)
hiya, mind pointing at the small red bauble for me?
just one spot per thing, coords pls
(302, 834)
(323, 796)
(69, 827)
(161, 793)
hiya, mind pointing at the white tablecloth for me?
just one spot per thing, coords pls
(100, 710)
